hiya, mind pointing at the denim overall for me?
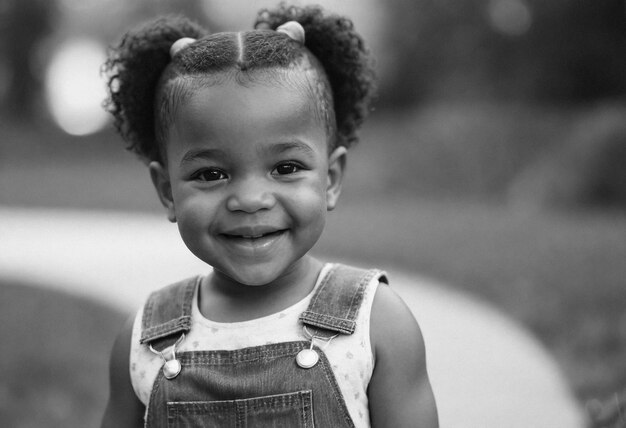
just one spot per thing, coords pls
(261, 386)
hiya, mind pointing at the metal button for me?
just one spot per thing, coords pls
(171, 369)
(307, 358)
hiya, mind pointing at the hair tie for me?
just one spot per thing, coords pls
(180, 44)
(293, 29)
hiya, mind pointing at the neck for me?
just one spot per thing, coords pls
(226, 300)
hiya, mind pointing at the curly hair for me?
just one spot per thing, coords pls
(146, 85)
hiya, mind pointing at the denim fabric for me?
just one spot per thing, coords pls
(283, 410)
(168, 311)
(337, 300)
(258, 386)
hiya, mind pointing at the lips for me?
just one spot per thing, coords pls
(261, 235)
(252, 238)
(252, 232)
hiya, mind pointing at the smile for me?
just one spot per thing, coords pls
(254, 241)
(252, 233)
(259, 235)
(256, 238)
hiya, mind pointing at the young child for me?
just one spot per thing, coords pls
(245, 135)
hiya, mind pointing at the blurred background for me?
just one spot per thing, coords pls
(494, 161)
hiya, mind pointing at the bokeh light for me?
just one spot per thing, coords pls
(511, 17)
(74, 88)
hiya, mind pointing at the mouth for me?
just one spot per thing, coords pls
(253, 237)
(247, 239)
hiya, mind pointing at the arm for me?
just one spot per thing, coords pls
(399, 392)
(124, 409)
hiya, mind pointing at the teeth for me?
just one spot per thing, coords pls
(251, 237)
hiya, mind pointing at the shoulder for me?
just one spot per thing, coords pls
(393, 323)
(399, 392)
(176, 290)
(121, 351)
(124, 408)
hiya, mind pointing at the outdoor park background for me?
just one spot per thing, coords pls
(494, 161)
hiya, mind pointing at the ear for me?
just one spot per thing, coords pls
(161, 180)
(336, 168)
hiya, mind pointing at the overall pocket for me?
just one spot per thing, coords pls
(294, 409)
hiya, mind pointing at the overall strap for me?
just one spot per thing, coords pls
(336, 302)
(168, 310)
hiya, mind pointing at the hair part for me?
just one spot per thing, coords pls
(246, 64)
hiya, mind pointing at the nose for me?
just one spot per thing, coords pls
(250, 195)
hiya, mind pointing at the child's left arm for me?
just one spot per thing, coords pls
(399, 392)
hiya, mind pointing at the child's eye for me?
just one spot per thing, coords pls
(287, 168)
(209, 175)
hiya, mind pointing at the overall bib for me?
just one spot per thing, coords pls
(261, 386)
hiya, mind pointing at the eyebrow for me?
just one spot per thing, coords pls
(283, 147)
(276, 149)
(195, 154)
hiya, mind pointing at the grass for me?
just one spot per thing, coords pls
(55, 351)
(561, 274)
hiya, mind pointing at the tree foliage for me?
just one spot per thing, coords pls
(23, 25)
(572, 51)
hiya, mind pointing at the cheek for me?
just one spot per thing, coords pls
(309, 207)
(190, 227)
(194, 214)
(194, 220)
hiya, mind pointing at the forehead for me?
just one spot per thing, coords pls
(235, 111)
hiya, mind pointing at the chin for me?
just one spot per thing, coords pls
(253, 276)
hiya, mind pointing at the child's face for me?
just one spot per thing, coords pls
(249, 178)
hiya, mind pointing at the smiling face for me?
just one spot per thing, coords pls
(249, 178)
